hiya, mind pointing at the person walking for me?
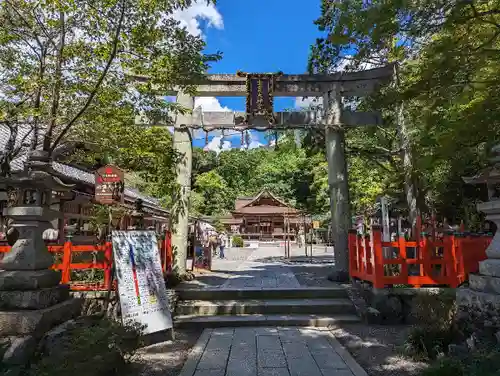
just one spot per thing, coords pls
(222, 244)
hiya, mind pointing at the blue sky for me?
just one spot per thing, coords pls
(254, 36)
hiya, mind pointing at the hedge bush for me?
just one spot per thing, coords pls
(238, 242)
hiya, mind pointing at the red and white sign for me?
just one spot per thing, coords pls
(109, 184)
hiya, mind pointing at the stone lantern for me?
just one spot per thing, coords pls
(32, 301)
(484, 287)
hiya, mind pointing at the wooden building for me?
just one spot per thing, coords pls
(77, 206)
(263, 217)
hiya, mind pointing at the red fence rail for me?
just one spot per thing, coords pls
(426, 262)
(101, 260)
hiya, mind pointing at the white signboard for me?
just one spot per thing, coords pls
(141, 287)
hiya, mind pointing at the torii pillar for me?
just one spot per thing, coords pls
(182, 144)
(337, 182)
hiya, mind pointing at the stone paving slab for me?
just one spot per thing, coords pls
(270, 351)
(255, 274)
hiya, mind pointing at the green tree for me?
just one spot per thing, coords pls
(448, 52)
(72, 63)
(214, 192)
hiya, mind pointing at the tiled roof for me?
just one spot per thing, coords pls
(68, 171)
(267, 209)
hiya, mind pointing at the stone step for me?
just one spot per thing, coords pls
(262, 320)
(279, 306)
(263, 294)
(484, 283)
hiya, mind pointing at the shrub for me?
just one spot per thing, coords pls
(238, 242)
(91, 347)
(428, 341)
(444, 367)
(436, 329)
(485, 363)
(434, 309)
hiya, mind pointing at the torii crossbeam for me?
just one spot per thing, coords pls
(333, 119)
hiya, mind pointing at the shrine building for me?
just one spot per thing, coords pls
(263, 217)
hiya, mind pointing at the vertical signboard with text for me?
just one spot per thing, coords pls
(141, 287)
(109, 185)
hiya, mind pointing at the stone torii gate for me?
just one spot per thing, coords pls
(334, 120)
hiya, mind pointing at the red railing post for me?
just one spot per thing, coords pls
(366, 256)
(378, 257)
(353, 254)
(403, 256)
(450, 256)
(108, 263)
(66, 263)
(425, 258)
(168, 249)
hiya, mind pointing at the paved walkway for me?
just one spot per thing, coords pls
(269, 352)
(256, 273)
(266, 267)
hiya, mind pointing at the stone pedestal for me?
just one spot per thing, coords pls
(32, 301)
(484, 287)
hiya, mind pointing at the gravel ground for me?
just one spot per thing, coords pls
(377, 348)
(166, 358)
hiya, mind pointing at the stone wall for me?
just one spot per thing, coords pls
(389, 305)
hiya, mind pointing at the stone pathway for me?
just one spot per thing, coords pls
(269, 352)
(255, 274)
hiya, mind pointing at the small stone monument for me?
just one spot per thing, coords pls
(32, 300)
(484, 287)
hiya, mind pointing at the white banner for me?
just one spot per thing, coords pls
(141, 287)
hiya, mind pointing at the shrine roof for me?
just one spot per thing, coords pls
(65, 170)
(243, 202)
(267, 209)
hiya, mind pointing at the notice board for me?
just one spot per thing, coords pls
(141, 287)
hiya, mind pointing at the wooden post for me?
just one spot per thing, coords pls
(353, 253)
(378, 257)
(108, 264)
(66, 263)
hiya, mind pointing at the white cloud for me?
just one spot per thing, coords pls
(200, 10)
(218, 144)
(210, 104)
(190, 19)
(308, 102)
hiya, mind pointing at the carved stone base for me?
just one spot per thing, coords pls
(28, 280)
(490, 267)
(33, 299)
(484, 283)
(479, 299)
(37, 322)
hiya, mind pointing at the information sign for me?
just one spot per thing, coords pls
(109, 184)
(141, 287)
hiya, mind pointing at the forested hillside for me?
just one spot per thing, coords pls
(296, 173)
(441, 116)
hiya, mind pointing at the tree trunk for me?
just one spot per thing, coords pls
(410, 180)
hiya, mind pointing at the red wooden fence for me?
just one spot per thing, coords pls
(425, 262)
(106, 262)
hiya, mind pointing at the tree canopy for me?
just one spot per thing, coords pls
(70, 64)
(448, 52)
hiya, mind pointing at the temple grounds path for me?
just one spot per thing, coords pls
(272, 351)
